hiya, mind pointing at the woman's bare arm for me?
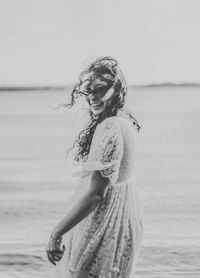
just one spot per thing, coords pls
(84, 206)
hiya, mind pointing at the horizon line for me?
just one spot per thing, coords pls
(65, 87)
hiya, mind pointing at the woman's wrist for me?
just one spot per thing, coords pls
(55, 235)
(54, 239)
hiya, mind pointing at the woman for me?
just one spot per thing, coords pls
(104, 226)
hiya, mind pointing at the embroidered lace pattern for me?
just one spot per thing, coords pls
(106, 150)
(107, 242)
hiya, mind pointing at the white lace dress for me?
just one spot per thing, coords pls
(107, 242)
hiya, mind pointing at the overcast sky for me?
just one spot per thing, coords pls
(50, 41)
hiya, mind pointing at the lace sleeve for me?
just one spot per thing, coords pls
(106, 150)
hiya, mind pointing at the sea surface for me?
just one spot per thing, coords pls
(36, 183)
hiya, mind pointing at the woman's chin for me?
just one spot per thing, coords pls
(97, 112)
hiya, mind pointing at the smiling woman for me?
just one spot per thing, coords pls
(104, 81)
(104, 227)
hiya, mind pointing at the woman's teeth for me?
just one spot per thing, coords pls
(96, 105)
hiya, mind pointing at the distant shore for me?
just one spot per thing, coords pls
(61, 88)
(33, 88)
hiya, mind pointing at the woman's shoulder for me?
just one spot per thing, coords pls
(108, 128)
(110, 123)
(120, 121)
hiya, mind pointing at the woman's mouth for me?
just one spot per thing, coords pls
(96, 105)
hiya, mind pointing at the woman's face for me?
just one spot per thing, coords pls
(100, 96)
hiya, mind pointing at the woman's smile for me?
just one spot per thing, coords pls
(97, 108)
(96, 104)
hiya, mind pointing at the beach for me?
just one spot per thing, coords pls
(36, 182)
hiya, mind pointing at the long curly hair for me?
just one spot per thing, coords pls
(107, 69)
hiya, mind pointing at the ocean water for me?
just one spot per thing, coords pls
(36, 185)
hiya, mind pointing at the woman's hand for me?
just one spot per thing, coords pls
(54, 252)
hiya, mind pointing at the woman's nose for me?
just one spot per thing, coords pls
(92, 97)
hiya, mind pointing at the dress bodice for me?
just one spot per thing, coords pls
(112, 150)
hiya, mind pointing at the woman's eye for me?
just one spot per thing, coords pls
(101, 93)
(102, 90)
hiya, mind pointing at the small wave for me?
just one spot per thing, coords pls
(20, 259)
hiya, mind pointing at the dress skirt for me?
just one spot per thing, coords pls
(107, 242)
